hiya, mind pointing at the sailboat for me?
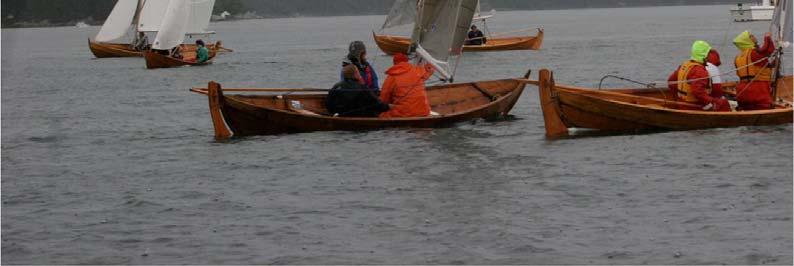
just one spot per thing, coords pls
(181, 19)
(125, 14)
(633, 110)
(142, 16)
(404, 11)
(439, 32)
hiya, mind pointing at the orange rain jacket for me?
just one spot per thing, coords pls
(404, 90)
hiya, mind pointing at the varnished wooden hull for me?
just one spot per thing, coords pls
(247, 115)
(155, 60)
(624, 110)
(109, 50)
(395, 44)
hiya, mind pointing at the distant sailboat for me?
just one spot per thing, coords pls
(181, 19)
(124, 15)
(403, 12)
(144, 17)
(440, 30)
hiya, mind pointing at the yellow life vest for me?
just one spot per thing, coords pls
(746, 70)
(684, 88)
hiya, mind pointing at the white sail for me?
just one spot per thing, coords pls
(200, 13)
(152, 15)
(403, 12)
(119, 21)
(174, 25)
(440, 31)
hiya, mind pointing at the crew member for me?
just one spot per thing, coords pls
(357, 56)
(349, 98)
(476, 37)
(754, 68)
(202, 53)
(691, 82)
(404, 89)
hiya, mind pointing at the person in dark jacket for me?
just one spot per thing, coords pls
(357, 56)
(350, 98)
(476, 37)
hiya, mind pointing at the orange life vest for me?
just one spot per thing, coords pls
(684, 88)
(746, 70)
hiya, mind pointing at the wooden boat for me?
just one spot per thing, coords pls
(125, 15)
(156, 60)
(623, 110)
(183, 18)
(108, 50)
(246, 115)
(395, 44)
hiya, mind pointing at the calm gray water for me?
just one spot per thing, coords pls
(105, 162)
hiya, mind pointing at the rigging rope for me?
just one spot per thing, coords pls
(774, 55)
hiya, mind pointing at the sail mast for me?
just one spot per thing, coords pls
(137, 20)
(781, 26)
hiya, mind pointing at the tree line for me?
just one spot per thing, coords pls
(17, 13)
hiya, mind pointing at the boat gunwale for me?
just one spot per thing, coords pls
(520, 85)
(593, 94)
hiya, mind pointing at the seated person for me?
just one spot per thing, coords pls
(690, 83)
(713, 64)
(357, 56)
(141, 42)
(202, 53)
(476, 37)
(404, 89)
(350, 98)
(176, 52)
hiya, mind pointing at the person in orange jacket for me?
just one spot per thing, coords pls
(404, 89)
(691, 82)
(754, 68)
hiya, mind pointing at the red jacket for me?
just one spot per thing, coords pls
(764, 51)
(404, 90)
(756, 95)
(699, 84)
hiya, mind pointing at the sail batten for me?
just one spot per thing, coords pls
(119, 21)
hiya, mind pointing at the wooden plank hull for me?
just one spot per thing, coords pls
(110, 50)
(155, 60)
(395, 44)
(247, 115)
(641, 109)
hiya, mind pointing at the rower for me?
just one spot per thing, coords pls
(691, 82)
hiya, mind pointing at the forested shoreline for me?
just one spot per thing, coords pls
(43, 13)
